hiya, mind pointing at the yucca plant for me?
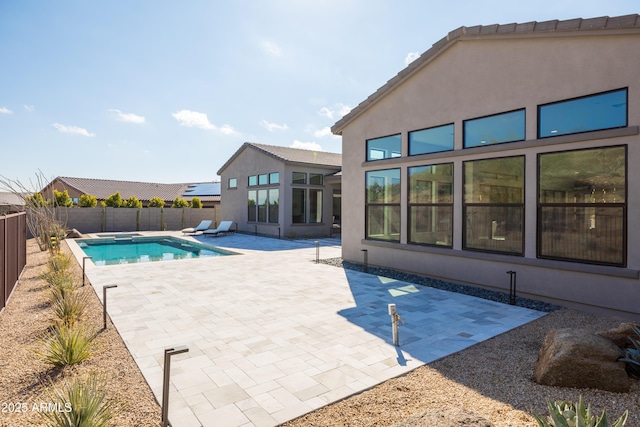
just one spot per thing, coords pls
(60, 285)
(66, 345)
(69, 307)
(566, 414)
(59, 262)
(632, 355)
(81, 402)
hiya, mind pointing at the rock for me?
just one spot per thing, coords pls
(441, 417)
(581, 359)
(74, 234)
(620, 335)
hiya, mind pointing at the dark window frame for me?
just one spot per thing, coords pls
(593, 95)
(383, 205)
(367, 150)
(522, 205)
(431, 128)
(624, 206)
(524, 128)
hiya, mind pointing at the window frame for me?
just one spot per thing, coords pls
(465, 132)
(624, 206)
(385, 205)
(293, 178)
(431, 204)
(234, 185)
(594, 95)
(368, 149)
(466, 205)
(453, 129)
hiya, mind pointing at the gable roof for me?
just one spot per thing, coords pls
(144, 191)
(290, 155)
(570, 27)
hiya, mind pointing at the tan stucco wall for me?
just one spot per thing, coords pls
(233, 203)
(481, 77)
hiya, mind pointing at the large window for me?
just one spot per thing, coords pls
(384, 148)
(316, 179)
(252, 214)
(299, 206)
(315, 206)
(262, 205)
(493, 205)
(274, 203)
(431, 205)
(595, 112)
(431, 140)
(299, 178)
(582, 206)
(383, 205)
(505, 127)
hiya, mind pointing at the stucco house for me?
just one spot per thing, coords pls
(281, 191)
(506, 148)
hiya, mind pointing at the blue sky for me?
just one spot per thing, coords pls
(167, 91)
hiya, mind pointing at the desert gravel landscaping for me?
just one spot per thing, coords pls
(490, 383)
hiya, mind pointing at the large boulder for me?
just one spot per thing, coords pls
(581, 359)
(620, 335)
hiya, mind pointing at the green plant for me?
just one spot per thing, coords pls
(66, 345)
(87, 201)
(180, 203)
(69, 308)
(61, 198)
(564, 414)
(195, 203)
(114, 200)
(632, 355)
(59, 262)
(132, 202)
(81, 402)
(156, 202)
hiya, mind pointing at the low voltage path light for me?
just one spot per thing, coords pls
(395, 317)
(84, 258)
(104, 304)
(512, 287)
(366, 259)
(317, 252)
(168, 352)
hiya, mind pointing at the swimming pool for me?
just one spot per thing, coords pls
(131, 250)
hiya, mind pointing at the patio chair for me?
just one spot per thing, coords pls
(223, 228)
(204, 224)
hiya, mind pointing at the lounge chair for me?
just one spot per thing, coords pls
(223, 228)
(204, 224)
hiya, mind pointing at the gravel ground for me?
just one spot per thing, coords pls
(490, 383)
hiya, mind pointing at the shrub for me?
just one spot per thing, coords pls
(83, 403)
(195, 203)
(66, 345)
(59, 262)
(60, 284)
(156, 202)
(180, 203)
(36, 200)
(632, 355)
(563, 414)
(87, 201)
(114, 200)
(61, 198)
(68, 308)
(132, 202)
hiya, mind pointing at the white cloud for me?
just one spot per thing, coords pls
(5, 110)
(273, 126)
(325, 131)
(72, 129)
(30, 108)
(200, 120)
(128, 117)
(336, 112)
(306, 145)
(411, 56)
(272, 49)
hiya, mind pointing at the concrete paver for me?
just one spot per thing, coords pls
(272, 335)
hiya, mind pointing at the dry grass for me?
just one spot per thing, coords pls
(492, 379)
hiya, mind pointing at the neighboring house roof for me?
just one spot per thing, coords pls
(290, 155)
(11, 199)
(144, 191)
(571, 27)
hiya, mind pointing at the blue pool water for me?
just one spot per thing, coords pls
(128, 250)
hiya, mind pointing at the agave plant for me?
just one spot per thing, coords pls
(565, 414)
(81, 402)
(66, 345)
(632, 355)
(69, 307)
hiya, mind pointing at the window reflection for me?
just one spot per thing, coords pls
(384, 148)
(505, 127)
(431, 140)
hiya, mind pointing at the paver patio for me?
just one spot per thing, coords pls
(272, 335)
